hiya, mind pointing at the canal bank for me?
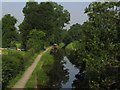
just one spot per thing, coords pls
(53, 71)
(42, 67)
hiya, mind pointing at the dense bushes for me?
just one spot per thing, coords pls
(14, 63)
(10, 68)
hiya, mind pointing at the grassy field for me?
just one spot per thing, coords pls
(39, 74)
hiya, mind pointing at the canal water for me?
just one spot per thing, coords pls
(72, 72)
(63, 72)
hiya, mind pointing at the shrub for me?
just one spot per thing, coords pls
(13, 63)
(11, 67)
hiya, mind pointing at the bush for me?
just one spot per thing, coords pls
(14, 63)
(11, 67)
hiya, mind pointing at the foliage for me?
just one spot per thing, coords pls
(43, 66)
(67, 38)
(35, 40)
(46, 16)
(9, 33)
(13, 64)
(61, 45)
(98, 45)
(74, 33)
(46, 73)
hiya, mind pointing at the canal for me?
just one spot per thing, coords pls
(63, 73)
(66, 73)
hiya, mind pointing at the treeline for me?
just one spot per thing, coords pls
(45, 18)
(96, 45)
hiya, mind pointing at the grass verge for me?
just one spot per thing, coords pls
(40, 72)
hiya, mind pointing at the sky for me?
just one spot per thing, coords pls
(76, 10)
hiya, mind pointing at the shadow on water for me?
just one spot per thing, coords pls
(80, 82)
(58, 74)
(62, 73)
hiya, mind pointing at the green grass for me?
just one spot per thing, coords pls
(44, 65)
(13, 81)
(73, 45)
(70, 46)
(61, 45)
(27, 64)
(13, 51)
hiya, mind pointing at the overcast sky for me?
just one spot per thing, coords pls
(76, 10)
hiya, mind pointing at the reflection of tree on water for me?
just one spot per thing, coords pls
(57, 75)
(81, 81)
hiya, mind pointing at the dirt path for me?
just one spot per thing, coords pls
(25, 77)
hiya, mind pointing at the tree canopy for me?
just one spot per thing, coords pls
(9, 32)
(35, 40)
(46, 16)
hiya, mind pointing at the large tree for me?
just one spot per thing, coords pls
(46, 16)
(9, 33)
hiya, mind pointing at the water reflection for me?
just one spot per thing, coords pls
(62, 73)
(80, 81)
(72, 72)
(58, 74)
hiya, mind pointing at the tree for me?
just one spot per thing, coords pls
(67, 39)
(9, 33)
(75, 31)
(35, 40)
(29, 11)
(46, 16)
